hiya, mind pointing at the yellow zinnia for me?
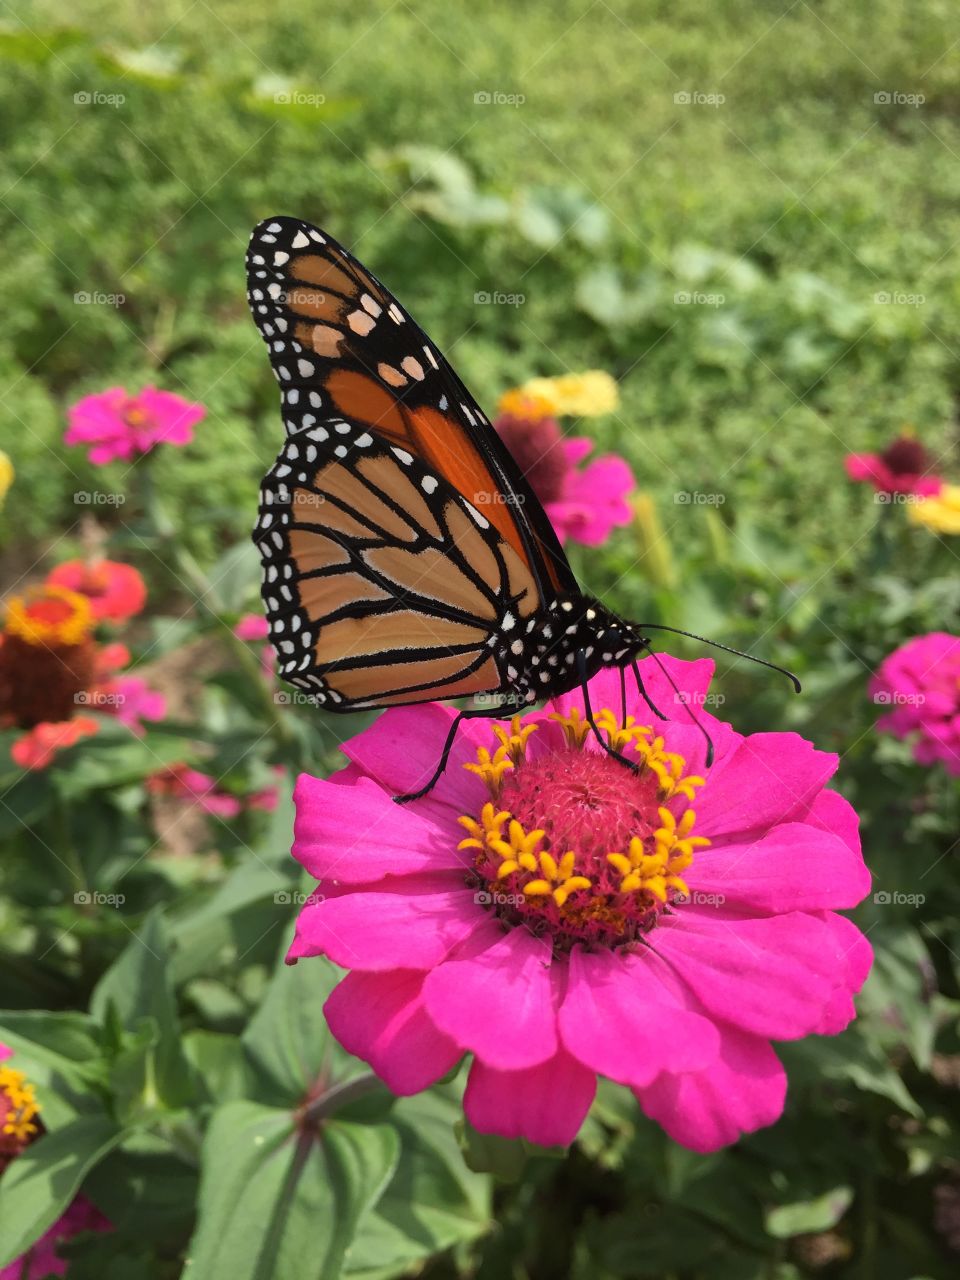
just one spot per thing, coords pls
(577, 395)
(6, 475)
(940, 513)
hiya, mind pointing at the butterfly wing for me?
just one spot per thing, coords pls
(403, 550)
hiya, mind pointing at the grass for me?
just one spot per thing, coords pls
(797, 200)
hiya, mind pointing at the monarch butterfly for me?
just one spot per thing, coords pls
(405, 557)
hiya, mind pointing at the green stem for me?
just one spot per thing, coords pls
(339, 1096)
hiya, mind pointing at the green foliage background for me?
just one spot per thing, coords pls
(798, 200)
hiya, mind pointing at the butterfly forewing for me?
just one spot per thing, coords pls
(342, 346)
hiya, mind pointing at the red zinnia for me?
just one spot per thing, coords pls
(115, 591)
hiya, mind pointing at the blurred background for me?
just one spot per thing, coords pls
(749, 218)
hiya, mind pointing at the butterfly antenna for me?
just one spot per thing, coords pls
(659, 626)
(682, 699)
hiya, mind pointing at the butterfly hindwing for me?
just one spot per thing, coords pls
(382, 583)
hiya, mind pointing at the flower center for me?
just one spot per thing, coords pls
(18, 1112)
(573, 845)
(134, 416)
(537, 448)
(52, 615)
(906, 456)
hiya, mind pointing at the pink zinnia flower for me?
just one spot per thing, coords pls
(903, 467)
(120, 426)
(200, 788)
(132, 701)
(116, 591)
(42, 1259)
(593, 921)
(252, 626)
(583, 505)
(920, 682)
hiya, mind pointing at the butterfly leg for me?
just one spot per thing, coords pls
(642, 691)
(471, 713)
(588, 716)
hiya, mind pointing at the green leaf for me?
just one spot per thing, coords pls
(819, 1214)
(138, 986)
(44, 1178)
(219, 1063)
(433, 1201)
(60, 1053)
(277, 1202)
(288, 1041)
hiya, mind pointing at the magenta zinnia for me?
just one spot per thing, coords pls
(117, 425)
(905, 466)
(559, 917)
(918, 686)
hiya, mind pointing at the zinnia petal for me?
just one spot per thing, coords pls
(545, 1104)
